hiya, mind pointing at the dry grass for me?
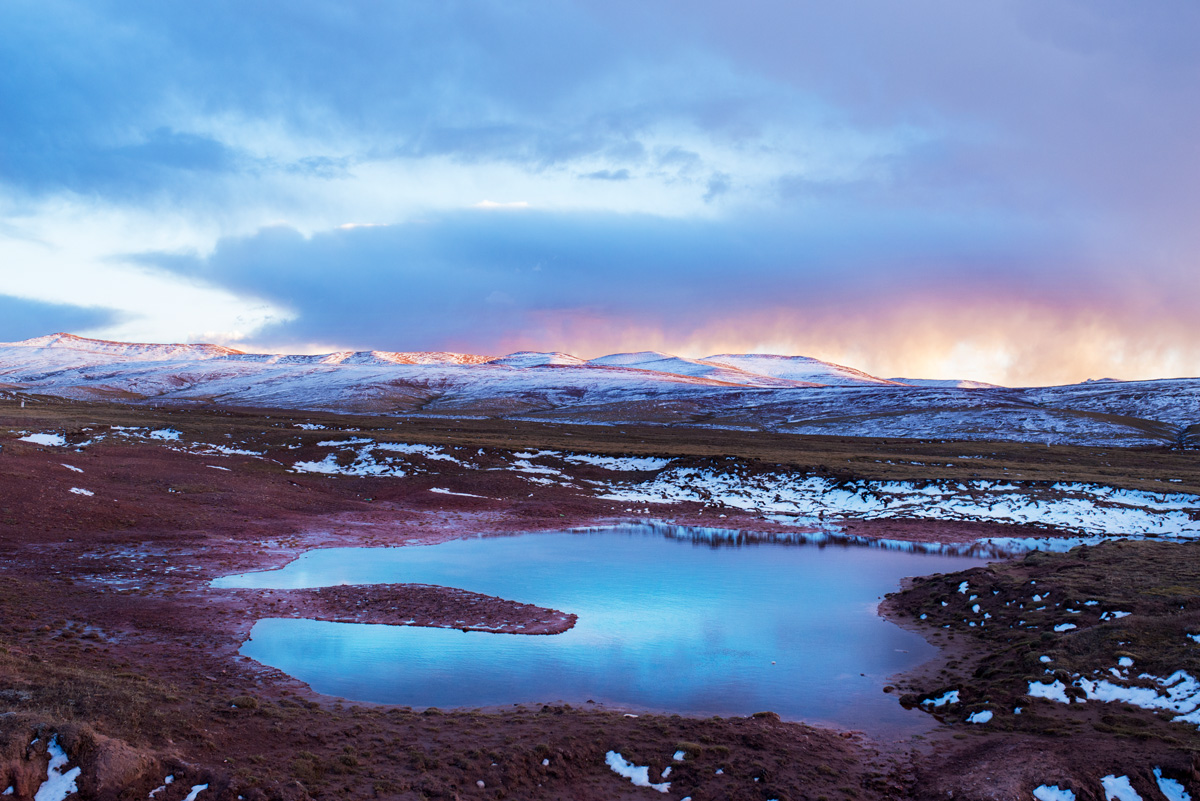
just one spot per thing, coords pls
(1155, 469)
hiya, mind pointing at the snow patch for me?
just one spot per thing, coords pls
(1170, 788)
(58, 785)
(441, 491)
(1052, 792)
(56, 440)
(638, 774)
(197, 789)
(618, 463)
(950, 697)
(1118, 788)
(1051, 692)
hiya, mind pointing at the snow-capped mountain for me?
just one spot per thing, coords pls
(658, 362)
(799, 368)
(791, 394)
(529, 358)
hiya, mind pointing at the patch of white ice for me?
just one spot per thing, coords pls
(82, 491)
(1052, 792)
(441, 491)
(979, 717)
(45, 439)
(58, 785)
(1118, 788)
(950, 697)
(1065, 627)
(197, 789)
(72, 467)
(1170, 788)
(621, 463)
(638, 774)
(1052, 692)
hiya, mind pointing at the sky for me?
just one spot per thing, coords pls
(1001, 190)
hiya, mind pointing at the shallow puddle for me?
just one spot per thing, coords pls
(666, 623)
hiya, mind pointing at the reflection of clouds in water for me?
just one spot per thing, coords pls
(663, 624)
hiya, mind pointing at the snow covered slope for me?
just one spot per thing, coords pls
(798, 368)
(528, 358)
(124, 350)
(665, 363)
(944, 382)
(753, 392)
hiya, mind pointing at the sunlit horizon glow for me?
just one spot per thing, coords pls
(1004, 194)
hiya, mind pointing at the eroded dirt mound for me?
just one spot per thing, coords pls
(415, 605)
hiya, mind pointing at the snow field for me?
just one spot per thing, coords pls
(1178, 693)
(1085, 508)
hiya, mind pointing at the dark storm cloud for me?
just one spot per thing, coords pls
(21, 318)
(470, 279)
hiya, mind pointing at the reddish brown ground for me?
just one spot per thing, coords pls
(409, 605)
(111, 637)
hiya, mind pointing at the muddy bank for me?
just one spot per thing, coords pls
(408, 605)
(1061, 669)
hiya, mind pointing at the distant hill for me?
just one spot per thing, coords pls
(786, 394)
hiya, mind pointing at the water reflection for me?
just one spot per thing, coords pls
(666, 622)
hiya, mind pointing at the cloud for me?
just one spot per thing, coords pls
(688, 167)
(899, 294)
(21, 318)
(718, 184)
(608, 175)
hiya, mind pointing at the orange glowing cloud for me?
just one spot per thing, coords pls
(1012, 343)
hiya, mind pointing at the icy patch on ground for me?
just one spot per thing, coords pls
(638, 774)
(73, 468)
(227, 451)
(624, 463)
(1118, 788)
(196, 790)
(1084, 508)
(1051, 692)
(1170, 788)
(950, 697)
(170, 778)
(165, 434)
(372, 458)
(979, 717)
(441, 491)
(1178, 693)
(58, 785)
(82, 491)
(1051, 792)
(56, 440)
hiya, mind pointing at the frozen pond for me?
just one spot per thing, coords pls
(665, 623)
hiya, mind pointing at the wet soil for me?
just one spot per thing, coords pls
(410, 605)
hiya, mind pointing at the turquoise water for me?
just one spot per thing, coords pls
(665, 624)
